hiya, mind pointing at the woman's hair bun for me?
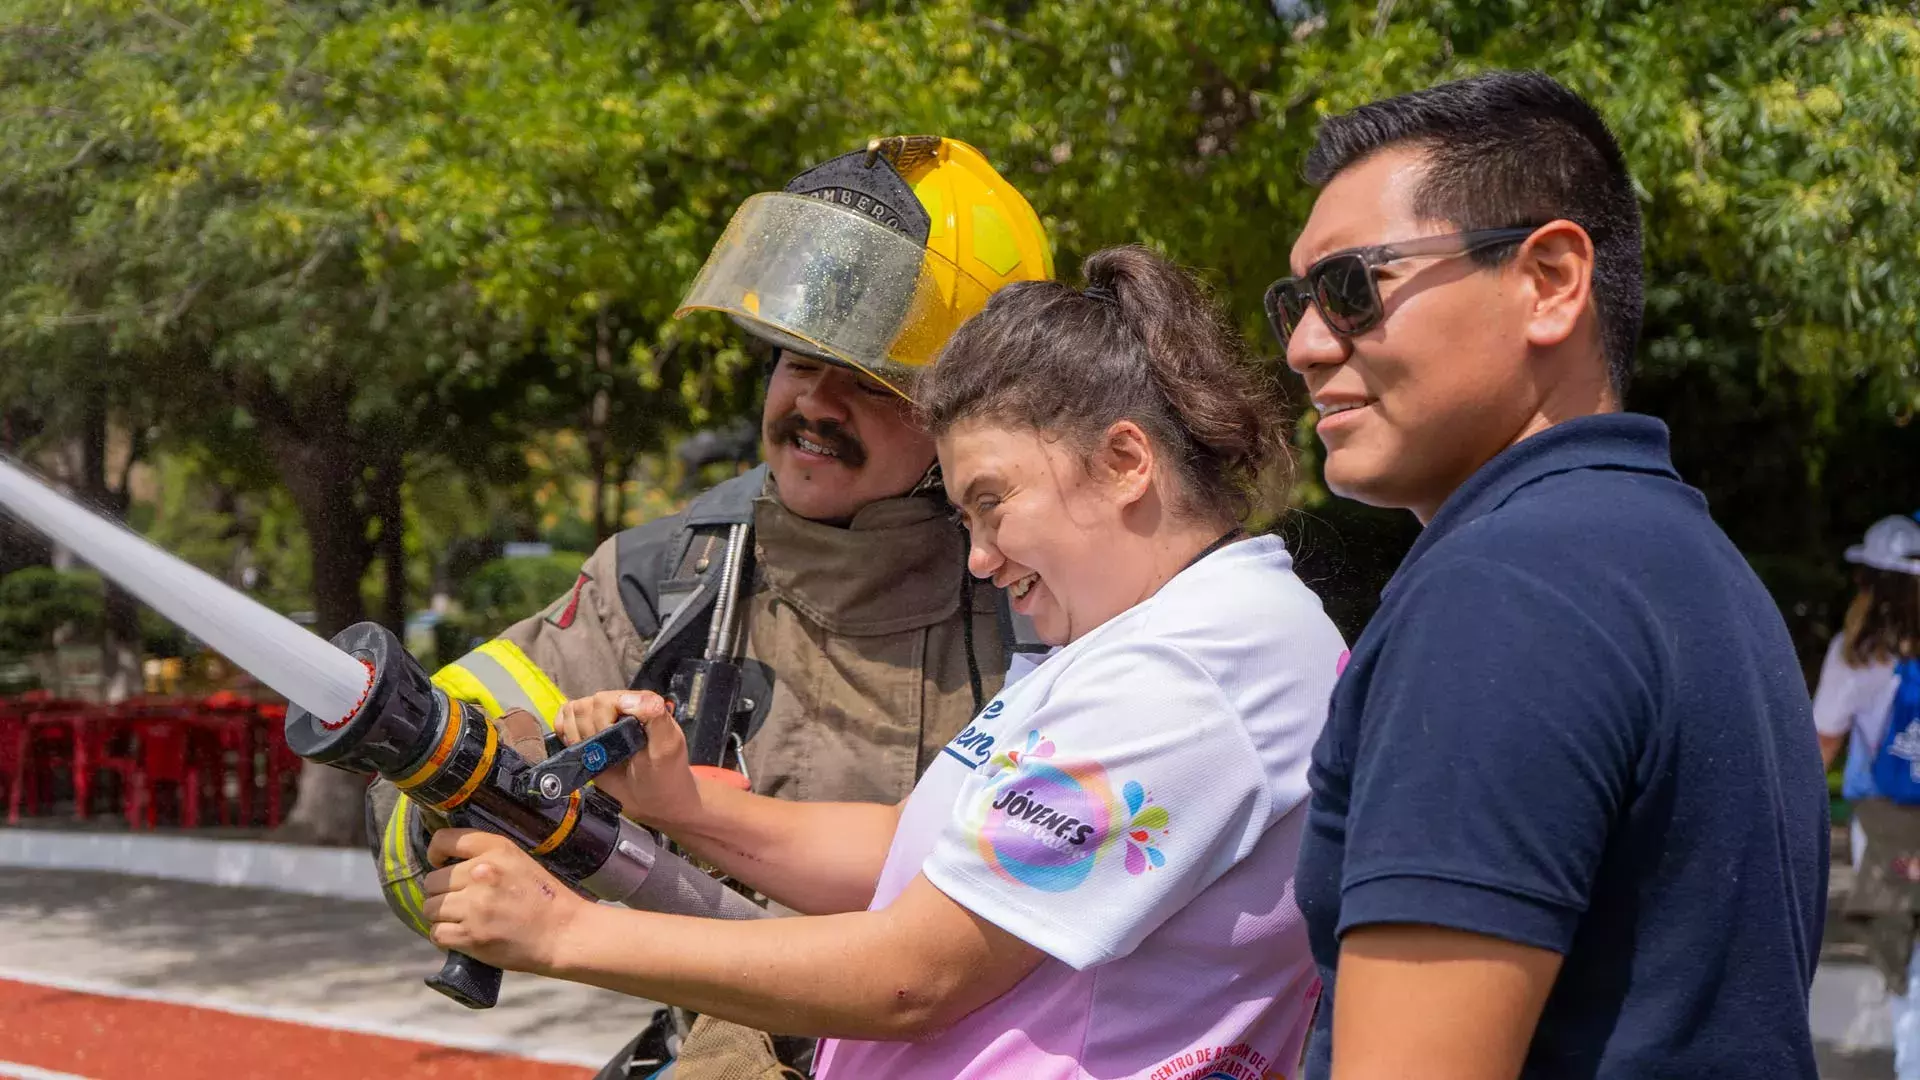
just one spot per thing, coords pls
(1142, 341)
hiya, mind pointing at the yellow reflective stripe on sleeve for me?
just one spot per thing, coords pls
(402, 885)
(542, 694)
(500, 678)
(464, 685)
(397, 875)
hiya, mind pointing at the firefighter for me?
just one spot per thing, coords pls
(819, 602)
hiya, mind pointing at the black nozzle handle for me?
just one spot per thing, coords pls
(569, 770)
(467, 981)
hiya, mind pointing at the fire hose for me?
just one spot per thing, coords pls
(363, 704)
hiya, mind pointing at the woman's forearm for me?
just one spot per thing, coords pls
(825, 976)
(1830, 748)
(816, 858)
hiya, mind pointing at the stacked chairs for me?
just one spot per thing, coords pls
(210, 755)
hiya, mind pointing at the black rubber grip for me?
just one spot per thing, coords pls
(468, 981)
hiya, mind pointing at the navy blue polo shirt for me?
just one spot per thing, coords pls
(1576, 722)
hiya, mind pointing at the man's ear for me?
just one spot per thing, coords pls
(1556, 263)
(1124, 459)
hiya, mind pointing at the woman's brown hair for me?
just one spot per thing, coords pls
(1142, 342)
(1883, 622)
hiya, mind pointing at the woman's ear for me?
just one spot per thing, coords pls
(1124, 461)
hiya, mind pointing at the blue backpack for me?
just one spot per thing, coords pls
(1896, 767)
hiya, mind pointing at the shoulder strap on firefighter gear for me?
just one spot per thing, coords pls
(670, 574)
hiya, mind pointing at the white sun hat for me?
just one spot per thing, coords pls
(1892, 543)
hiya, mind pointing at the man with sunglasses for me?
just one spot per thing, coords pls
(1568, 817)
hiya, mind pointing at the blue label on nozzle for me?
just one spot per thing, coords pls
(594, 758)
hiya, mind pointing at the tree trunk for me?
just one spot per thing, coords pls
(597, 416)
(623, 471)
(324, 471)
(120, 675)
(390, 511)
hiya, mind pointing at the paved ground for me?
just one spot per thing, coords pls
(1853, 1035)
(1864, 1065)
(106, 976)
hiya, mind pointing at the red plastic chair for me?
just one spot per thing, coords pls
(97, 734)
(224, 731)
(165, 756)
(282, 763)
(45, 740)
(21, 788)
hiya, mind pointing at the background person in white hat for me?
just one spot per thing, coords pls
(1868, 700)
(1882, 627)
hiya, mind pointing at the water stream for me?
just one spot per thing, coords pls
(305, 668)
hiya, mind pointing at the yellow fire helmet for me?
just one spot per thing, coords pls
(873, 259)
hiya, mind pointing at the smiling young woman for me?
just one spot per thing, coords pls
(1131, 808)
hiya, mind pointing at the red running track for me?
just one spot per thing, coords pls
(111, 1038)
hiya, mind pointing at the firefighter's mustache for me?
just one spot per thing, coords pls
(826, 434)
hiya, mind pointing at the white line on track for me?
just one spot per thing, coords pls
(17, 1071)
(309, 1017)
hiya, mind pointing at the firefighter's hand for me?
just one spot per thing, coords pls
(495, 903)
(654, 786)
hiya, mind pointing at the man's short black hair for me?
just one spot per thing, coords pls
(1512, 148)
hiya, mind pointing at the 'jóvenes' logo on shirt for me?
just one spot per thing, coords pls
(1051, 819)
(1022, 807)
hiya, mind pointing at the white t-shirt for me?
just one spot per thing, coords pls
(1133, 808)
(1853, 699)
(1856, 700)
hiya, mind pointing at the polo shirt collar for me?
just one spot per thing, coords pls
(1627, 441)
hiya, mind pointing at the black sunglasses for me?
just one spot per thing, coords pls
(1344, 287)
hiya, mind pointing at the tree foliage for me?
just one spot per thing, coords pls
(37, 602)
(365, 254)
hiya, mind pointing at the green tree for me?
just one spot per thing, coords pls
(38, 603)
(369, 252)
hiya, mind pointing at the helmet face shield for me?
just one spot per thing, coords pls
(826, 280)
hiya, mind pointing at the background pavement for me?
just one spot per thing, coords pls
(341, 964)
(109, 952)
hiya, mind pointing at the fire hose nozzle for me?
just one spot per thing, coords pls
(448, 756)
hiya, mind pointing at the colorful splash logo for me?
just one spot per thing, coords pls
(1050, 821)
(1143, 821)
